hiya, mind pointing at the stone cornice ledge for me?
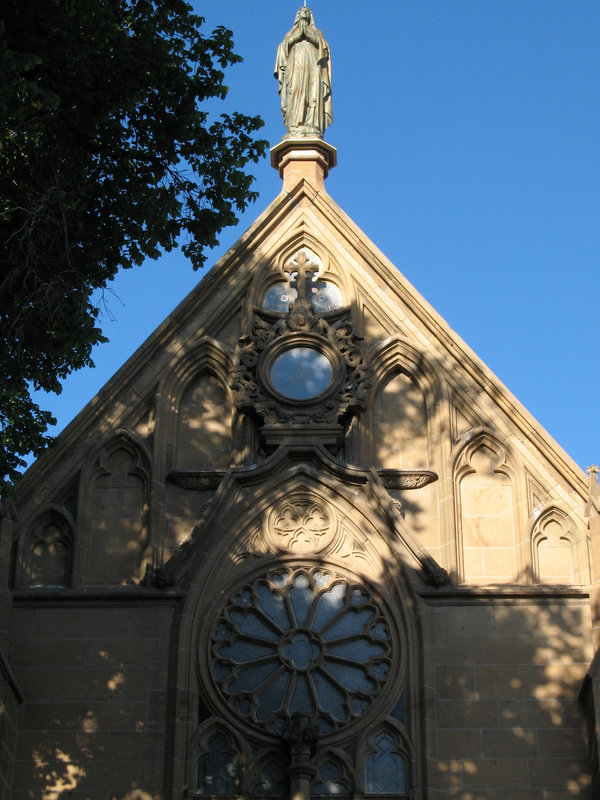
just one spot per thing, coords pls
(99, 596)
(509, 594)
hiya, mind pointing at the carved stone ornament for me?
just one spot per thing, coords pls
(300, 639)
(406, 479)
(197, 481)
(300, 368)
(300, 524)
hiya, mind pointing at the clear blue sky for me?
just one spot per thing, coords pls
(468, 137)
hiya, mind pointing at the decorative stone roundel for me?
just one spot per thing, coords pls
(300, 524)
(300, 640)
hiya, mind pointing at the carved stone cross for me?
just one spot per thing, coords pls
(301, 274)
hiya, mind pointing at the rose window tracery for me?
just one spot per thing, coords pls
(301, 641)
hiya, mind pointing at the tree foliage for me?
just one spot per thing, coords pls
(108, 156)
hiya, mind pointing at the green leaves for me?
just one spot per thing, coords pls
(106, 159)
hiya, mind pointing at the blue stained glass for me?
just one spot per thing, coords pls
(222, 671)
(272, 781)
(358, 598)
(328, 780)
(352, 623)
(251, 624)
(379, 631)
(357, 650)
(223, 631)
(300, 651)
(301, 640)
(279, 579)
(329, 605)
(278, 297)
(216, 768)
(270, 699)
(330, 697)
(359, 704)
(250, 677)
(301, 373)
(398, 712)
(301, 598)
(352, 678)
(321, 579)
(380, 670)
(242, 705)
(325, 296)
(241, 651)
(302, 700)
(272, 604)
(385, 768)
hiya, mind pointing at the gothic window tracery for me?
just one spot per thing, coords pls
(217, 769)
(331, 778)
(46, 552)
(385, 765)
(301, 640)
(303, 273)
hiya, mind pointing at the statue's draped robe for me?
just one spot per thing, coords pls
(303, 70)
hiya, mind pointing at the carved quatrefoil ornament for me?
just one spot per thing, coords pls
(300, 524)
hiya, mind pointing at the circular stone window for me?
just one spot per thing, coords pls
(301, 641)
(301, 373)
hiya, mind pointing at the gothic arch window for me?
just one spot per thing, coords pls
(204, 425)
(553, 549)
(116, 507)
(333, 776)
(46, 552)
(299, 655)
(217, 762)
(386, 763)
(268, 776)
(301, 273)
(488, 543)
(400, 424)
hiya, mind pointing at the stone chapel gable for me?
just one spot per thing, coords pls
(303, 544)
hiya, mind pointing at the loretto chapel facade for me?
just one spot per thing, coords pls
(303, 544)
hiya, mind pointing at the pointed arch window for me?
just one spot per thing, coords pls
(46, 552)
(385, 767)
(330, 779)
(271, 779)
(303, 273)
(216, 773)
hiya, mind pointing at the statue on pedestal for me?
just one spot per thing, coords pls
(303, 71)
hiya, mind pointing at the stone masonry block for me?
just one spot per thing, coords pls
(509, 743)
(457, 744)
(564, 773)
(506, 681)
(467, 714)
(496, 773)
(455, 682)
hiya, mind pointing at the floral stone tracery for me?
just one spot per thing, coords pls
(301, 641)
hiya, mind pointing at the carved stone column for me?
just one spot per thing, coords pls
(592, 512)
(302, 736)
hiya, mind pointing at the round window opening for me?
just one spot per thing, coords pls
(301, 641)
(301, 373)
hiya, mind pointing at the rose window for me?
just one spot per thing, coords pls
(301, 641)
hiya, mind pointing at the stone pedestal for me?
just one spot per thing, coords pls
(309, 159)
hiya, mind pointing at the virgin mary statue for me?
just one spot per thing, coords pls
(303, 70)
